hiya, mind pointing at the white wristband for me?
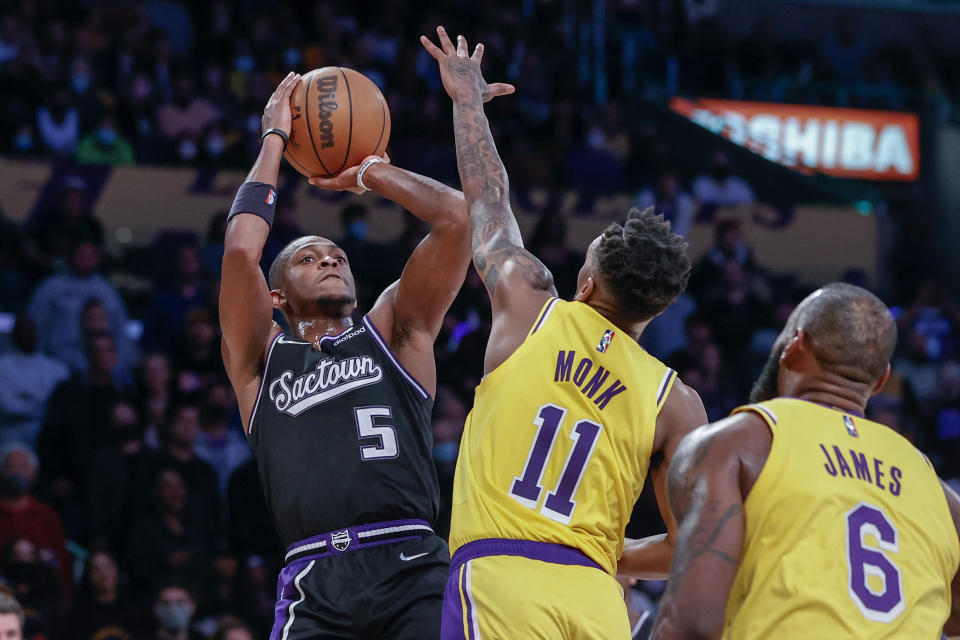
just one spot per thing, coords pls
(369, 162)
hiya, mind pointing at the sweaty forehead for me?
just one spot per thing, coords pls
(312, 241)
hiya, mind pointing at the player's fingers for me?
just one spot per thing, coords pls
(478, 53)
(431, 48)
(283, 83)
(386, 158)
(462, 49)
(445, 43)
(500, 89)
(291, 85)
(323, 183)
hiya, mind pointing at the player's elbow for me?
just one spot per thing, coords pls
(236, 251)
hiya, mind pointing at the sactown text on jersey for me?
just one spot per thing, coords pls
(329, 379)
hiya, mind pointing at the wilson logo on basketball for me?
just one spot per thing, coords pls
(326, 105)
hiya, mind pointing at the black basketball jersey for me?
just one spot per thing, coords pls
(342, 435)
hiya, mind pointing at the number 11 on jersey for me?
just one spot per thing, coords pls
(527, 488)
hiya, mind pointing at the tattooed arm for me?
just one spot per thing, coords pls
(709, 478)
(518, 283)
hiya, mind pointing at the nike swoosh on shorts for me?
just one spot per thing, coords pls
(407, 558)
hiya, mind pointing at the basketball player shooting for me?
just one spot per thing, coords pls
(570, 415)
(337, 414)
(798, 517)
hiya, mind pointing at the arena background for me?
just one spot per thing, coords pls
(126, 128)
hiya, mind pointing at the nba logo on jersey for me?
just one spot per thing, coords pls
(851, 428)
(341, 540)
(605, 341)
(271, 197)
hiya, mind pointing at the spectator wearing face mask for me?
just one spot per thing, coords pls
(183, 120)
(173, 610)
(24, 516)
(105, 145)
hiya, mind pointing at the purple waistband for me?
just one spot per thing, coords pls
(543, 551)
(354, 538)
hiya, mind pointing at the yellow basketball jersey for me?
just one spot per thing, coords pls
(848, 533)
(558, 443)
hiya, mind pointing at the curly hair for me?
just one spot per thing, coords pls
(644, 264)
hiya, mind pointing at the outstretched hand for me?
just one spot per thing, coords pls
(346, 180)
(278, 114)
(460, 71)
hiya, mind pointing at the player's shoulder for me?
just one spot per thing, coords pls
(727, 440)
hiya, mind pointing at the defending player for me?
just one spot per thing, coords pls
(339, 415)
(801, 519)
(569, 416)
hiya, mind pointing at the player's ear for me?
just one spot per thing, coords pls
(882, 382)
(585, 292)
(794, 349)
(277, 298)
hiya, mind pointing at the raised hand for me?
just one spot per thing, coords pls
(460, 71)
(278, 113)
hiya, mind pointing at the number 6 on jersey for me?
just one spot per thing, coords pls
(527, 487)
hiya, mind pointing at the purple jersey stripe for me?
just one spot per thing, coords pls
(396, 363)
(453, 617)
(766, 412)
(543, 551)
(667, 379)
(360, 537)
(543, 316)
(263, 381)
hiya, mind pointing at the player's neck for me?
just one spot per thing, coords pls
(609, 311)
(847, 396)
(314, 329)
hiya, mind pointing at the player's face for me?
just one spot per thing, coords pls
(319, 271)
(767, 385)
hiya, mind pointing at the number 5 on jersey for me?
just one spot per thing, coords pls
(367, 427)
(528, 486)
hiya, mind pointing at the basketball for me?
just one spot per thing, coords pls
(339, 118)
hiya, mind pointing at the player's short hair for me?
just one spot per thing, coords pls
(644, 263)
(9, 605)
(275, 275)
(852, 331)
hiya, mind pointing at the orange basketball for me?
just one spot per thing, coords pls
(339, 118)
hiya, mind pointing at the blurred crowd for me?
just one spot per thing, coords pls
(177, 82)
(130, 505)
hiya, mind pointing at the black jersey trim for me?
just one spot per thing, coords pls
(263, 382)
(396, 363)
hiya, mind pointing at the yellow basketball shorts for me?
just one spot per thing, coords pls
(523, 590)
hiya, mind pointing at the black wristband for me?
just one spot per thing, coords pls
(279, 132)
(258, 198)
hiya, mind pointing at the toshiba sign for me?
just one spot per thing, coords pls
(848, 143)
